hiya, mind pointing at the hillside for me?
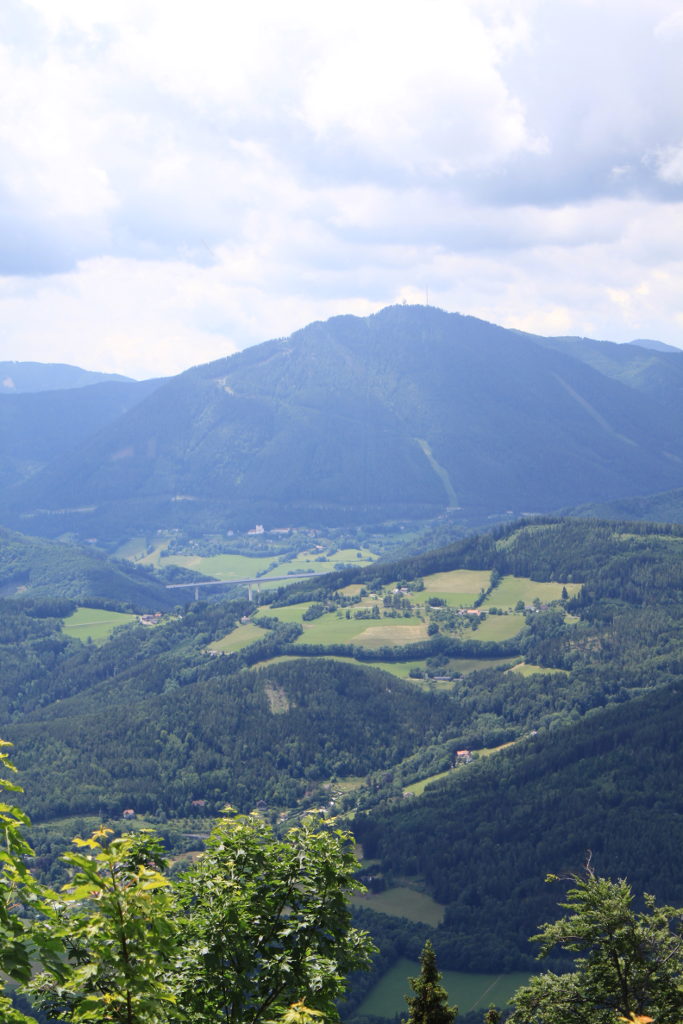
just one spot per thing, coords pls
(654, 508)
(403, 413)
(574, 671)
(650, 367)
(42, 426)
(42, 568)
(26, 377)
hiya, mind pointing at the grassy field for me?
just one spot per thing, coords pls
(499, 627)
(393, 633)
(512, 589)
(239, 638)
(461, 587)
(236, 567)
(401, 669)
(334, 629)
(533, 670)
(400, 902)
(94, 623)
(418, 788)
(458, 582)
(132, 549)
(468, 991)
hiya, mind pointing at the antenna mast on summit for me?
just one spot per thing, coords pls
(427, 294)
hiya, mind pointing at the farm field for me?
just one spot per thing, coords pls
(402, 902)
(95, 623)
(239, 638)
(395, 633)
(334, 629)
(460, 582)
(401, 669)
(331, 629)
(512, 589)
(132, 549)
(236, 567)
(461, 588)
(499, 627)
(468, 991)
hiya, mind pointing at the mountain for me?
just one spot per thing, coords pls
(400, 414)
(41, 426)
(18, 378)
(651, 367)
(657, 346)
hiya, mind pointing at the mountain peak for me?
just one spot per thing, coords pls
(657, 346)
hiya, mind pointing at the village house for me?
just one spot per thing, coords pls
(150, 620)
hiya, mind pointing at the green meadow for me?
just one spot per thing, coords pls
(402, 902)
(461, 587)
(240, 637)
(237, 567)
(468, 991)
(512, 589)
(96, 624)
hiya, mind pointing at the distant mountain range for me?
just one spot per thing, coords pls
(403, 414)
(18, 378)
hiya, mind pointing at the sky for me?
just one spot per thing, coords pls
(181, 180)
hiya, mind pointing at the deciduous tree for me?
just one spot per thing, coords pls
(630, 967)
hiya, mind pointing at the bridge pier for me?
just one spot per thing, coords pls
(196, 593)
(250, 596)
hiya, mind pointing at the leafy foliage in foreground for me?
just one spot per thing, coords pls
(256, 925)
(630, 965)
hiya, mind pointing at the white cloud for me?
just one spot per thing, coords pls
(522, 158)
(670, 164)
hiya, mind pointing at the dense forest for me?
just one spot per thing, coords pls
(50, 569)
(484, 840)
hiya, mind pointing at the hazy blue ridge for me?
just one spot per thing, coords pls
(332, 426)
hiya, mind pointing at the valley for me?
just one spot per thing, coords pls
(285, 707)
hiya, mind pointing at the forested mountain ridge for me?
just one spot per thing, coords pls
(358, 419)
(18, 377)
(39, 427)
(49, 569)
(656, 372)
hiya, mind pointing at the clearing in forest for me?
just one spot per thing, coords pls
(95, 623)
(468, 991)
(403, 902)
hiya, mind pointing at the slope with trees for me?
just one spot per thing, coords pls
(333, 425)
